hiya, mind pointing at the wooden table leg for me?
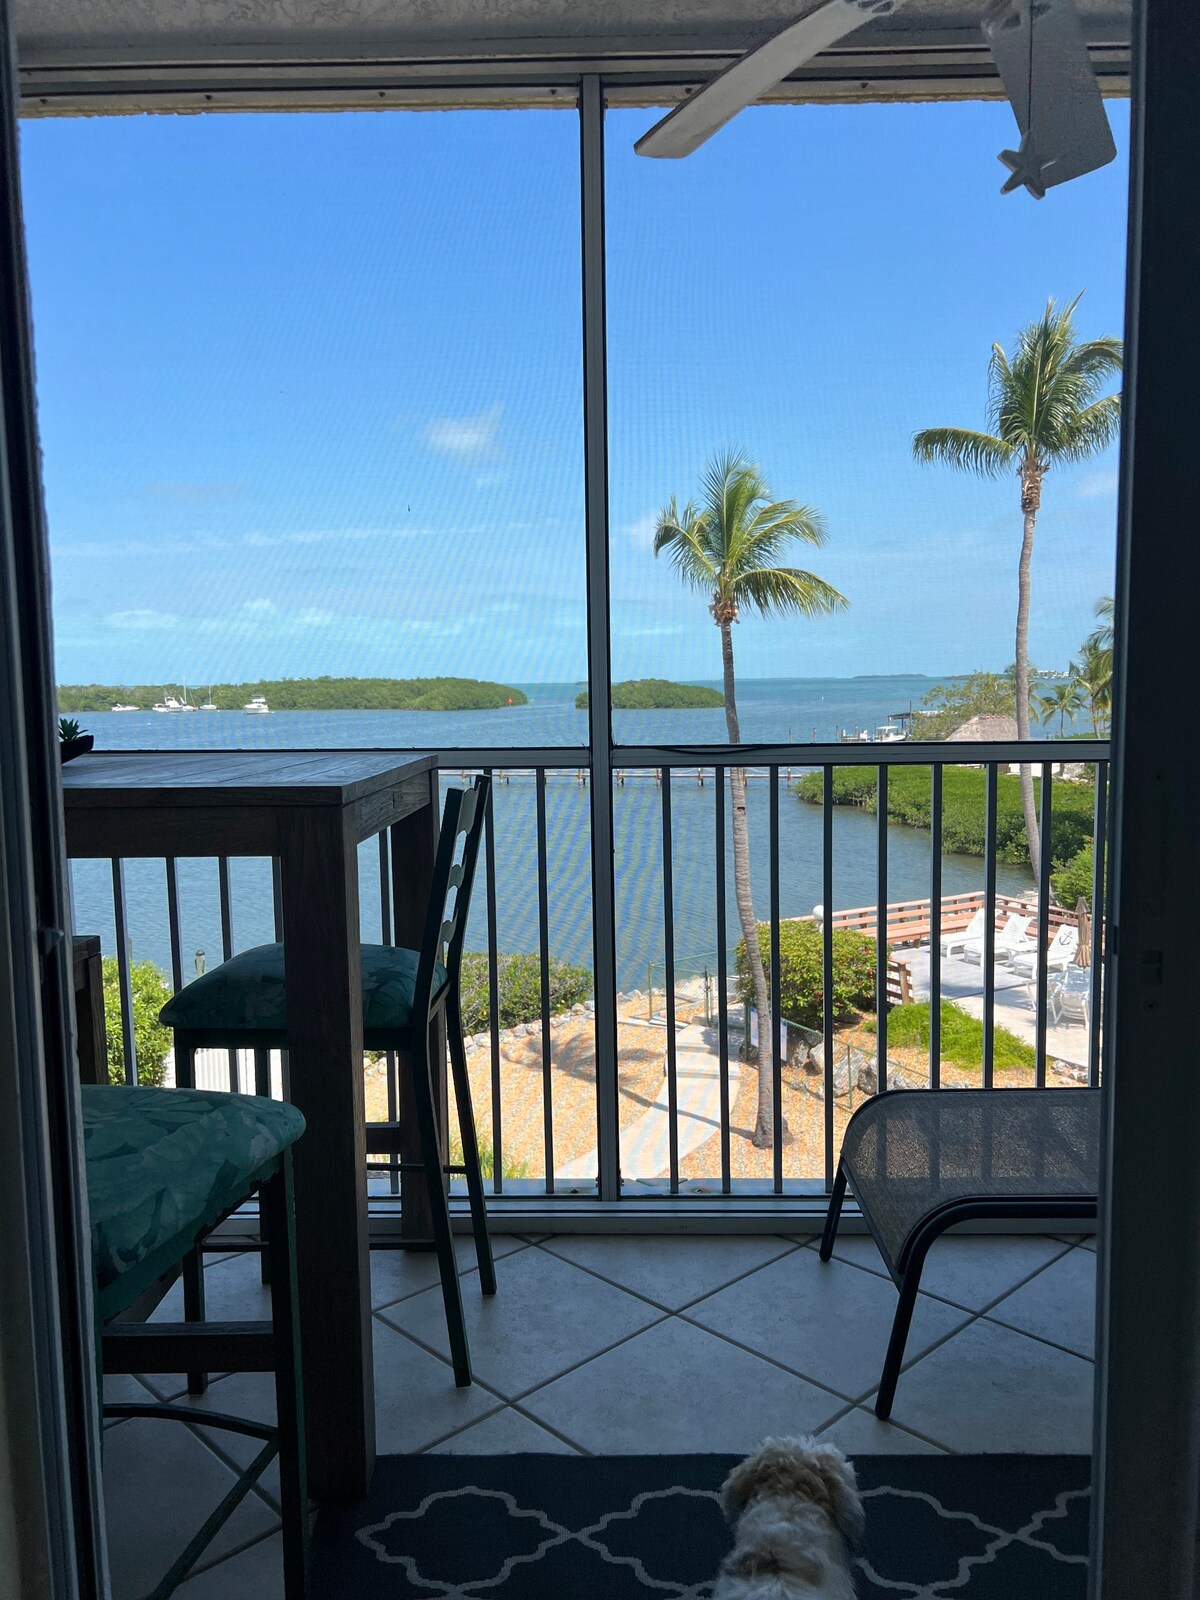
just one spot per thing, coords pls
(323, 958)
(414, 848)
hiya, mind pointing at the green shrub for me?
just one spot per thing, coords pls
(520, 988)
(962, 1036)
(1073, 882)
(801, 958)
(487, 1160)
(964, 801)
(150, 1039)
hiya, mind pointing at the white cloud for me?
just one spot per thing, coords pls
(1098, 485)
(142, 621)
(641, 533)
(464, 436)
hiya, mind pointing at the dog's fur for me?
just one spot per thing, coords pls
(798, 1513)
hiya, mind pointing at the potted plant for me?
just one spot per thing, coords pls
(72, 741)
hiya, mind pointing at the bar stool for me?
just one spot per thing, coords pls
(164, 1167)
(242, 1004)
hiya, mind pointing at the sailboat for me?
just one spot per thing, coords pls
(208, 704)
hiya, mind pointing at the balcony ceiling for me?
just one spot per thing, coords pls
(68, 46)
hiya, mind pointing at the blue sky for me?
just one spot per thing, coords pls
(310, 386)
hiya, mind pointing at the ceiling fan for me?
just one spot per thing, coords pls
(1039, 51)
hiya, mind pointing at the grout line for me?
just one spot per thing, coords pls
(658, 1305)
(542, 1382)
(467, 1272)
(957, 1304)
(1038, 1338)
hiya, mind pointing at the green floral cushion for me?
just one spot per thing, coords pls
(248, 994)
(162, 1166)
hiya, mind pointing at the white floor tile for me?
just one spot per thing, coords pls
(547, 1316)
(416, 1401)
(160, 1483)
(990, 1389)
(233, 1292)
(676, 1388)
(253, 1574)
(242, 1394)
(825, 1320)
(1059, 1304)
(503, 1433)
(860, 1432)
(970, 1270)
(398, 1273)
(669, 1269)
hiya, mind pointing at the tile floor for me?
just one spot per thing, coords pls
(616, 1344)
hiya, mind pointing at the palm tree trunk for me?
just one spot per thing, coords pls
(764, 1122)
(1030, 494)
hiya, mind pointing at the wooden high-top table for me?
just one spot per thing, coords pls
(311, 810)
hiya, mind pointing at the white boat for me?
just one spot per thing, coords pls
(208, 704)
(126, 708)
(169, 702)
(257, 703)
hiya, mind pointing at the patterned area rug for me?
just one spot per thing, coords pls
(552, 1527)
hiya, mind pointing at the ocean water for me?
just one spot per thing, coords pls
(771, 710)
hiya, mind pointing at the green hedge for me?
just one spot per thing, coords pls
(964, 797)
(961, 1038)
(308, 694)
(520, 984)
(151, 1040)
(801, 958)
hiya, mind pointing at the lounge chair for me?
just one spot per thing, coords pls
(971, 935)
(1070, 997)
(1012, 939)
(1060, 953)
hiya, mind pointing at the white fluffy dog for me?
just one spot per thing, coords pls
(798, 1512)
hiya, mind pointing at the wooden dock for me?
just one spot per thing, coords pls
(909, 922)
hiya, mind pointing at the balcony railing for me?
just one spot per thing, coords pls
(679, 1078)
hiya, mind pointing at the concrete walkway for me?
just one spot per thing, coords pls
(646, 1143)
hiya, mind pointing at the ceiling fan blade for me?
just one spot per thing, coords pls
(1053, 92)
(687, 127)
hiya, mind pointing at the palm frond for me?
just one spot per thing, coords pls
(770, 589)
(1092, 430)
(982, 453)
(682, 535)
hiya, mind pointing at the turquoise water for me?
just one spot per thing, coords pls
(772, 710)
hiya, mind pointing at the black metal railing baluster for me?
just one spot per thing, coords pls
(988, 951)
(719, 780)
(544, 947)
(174, 929)
(1045, 845)
(935, 925)
(497, 1083)
(827, 963)
(225, 890)
(777, 1120)
(124, 973)
(1096, 991)
(669, 981)
(881, 927)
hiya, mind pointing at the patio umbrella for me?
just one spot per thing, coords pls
(1083, 919)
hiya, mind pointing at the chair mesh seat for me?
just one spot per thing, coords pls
(912, 1153)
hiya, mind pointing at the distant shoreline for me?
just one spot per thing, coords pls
(302, 694)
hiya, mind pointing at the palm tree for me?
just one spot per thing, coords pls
(1093, 673)
(1045, 406)
(728, 546)
(1061, 700)
(1101, 637)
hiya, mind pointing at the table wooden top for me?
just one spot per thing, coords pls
(180, 778)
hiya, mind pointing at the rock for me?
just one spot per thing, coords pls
(850, 1067)
(579, 1010)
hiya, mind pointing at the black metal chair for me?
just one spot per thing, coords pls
(920, 1160)
(242, 1004)
(163, 1168)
